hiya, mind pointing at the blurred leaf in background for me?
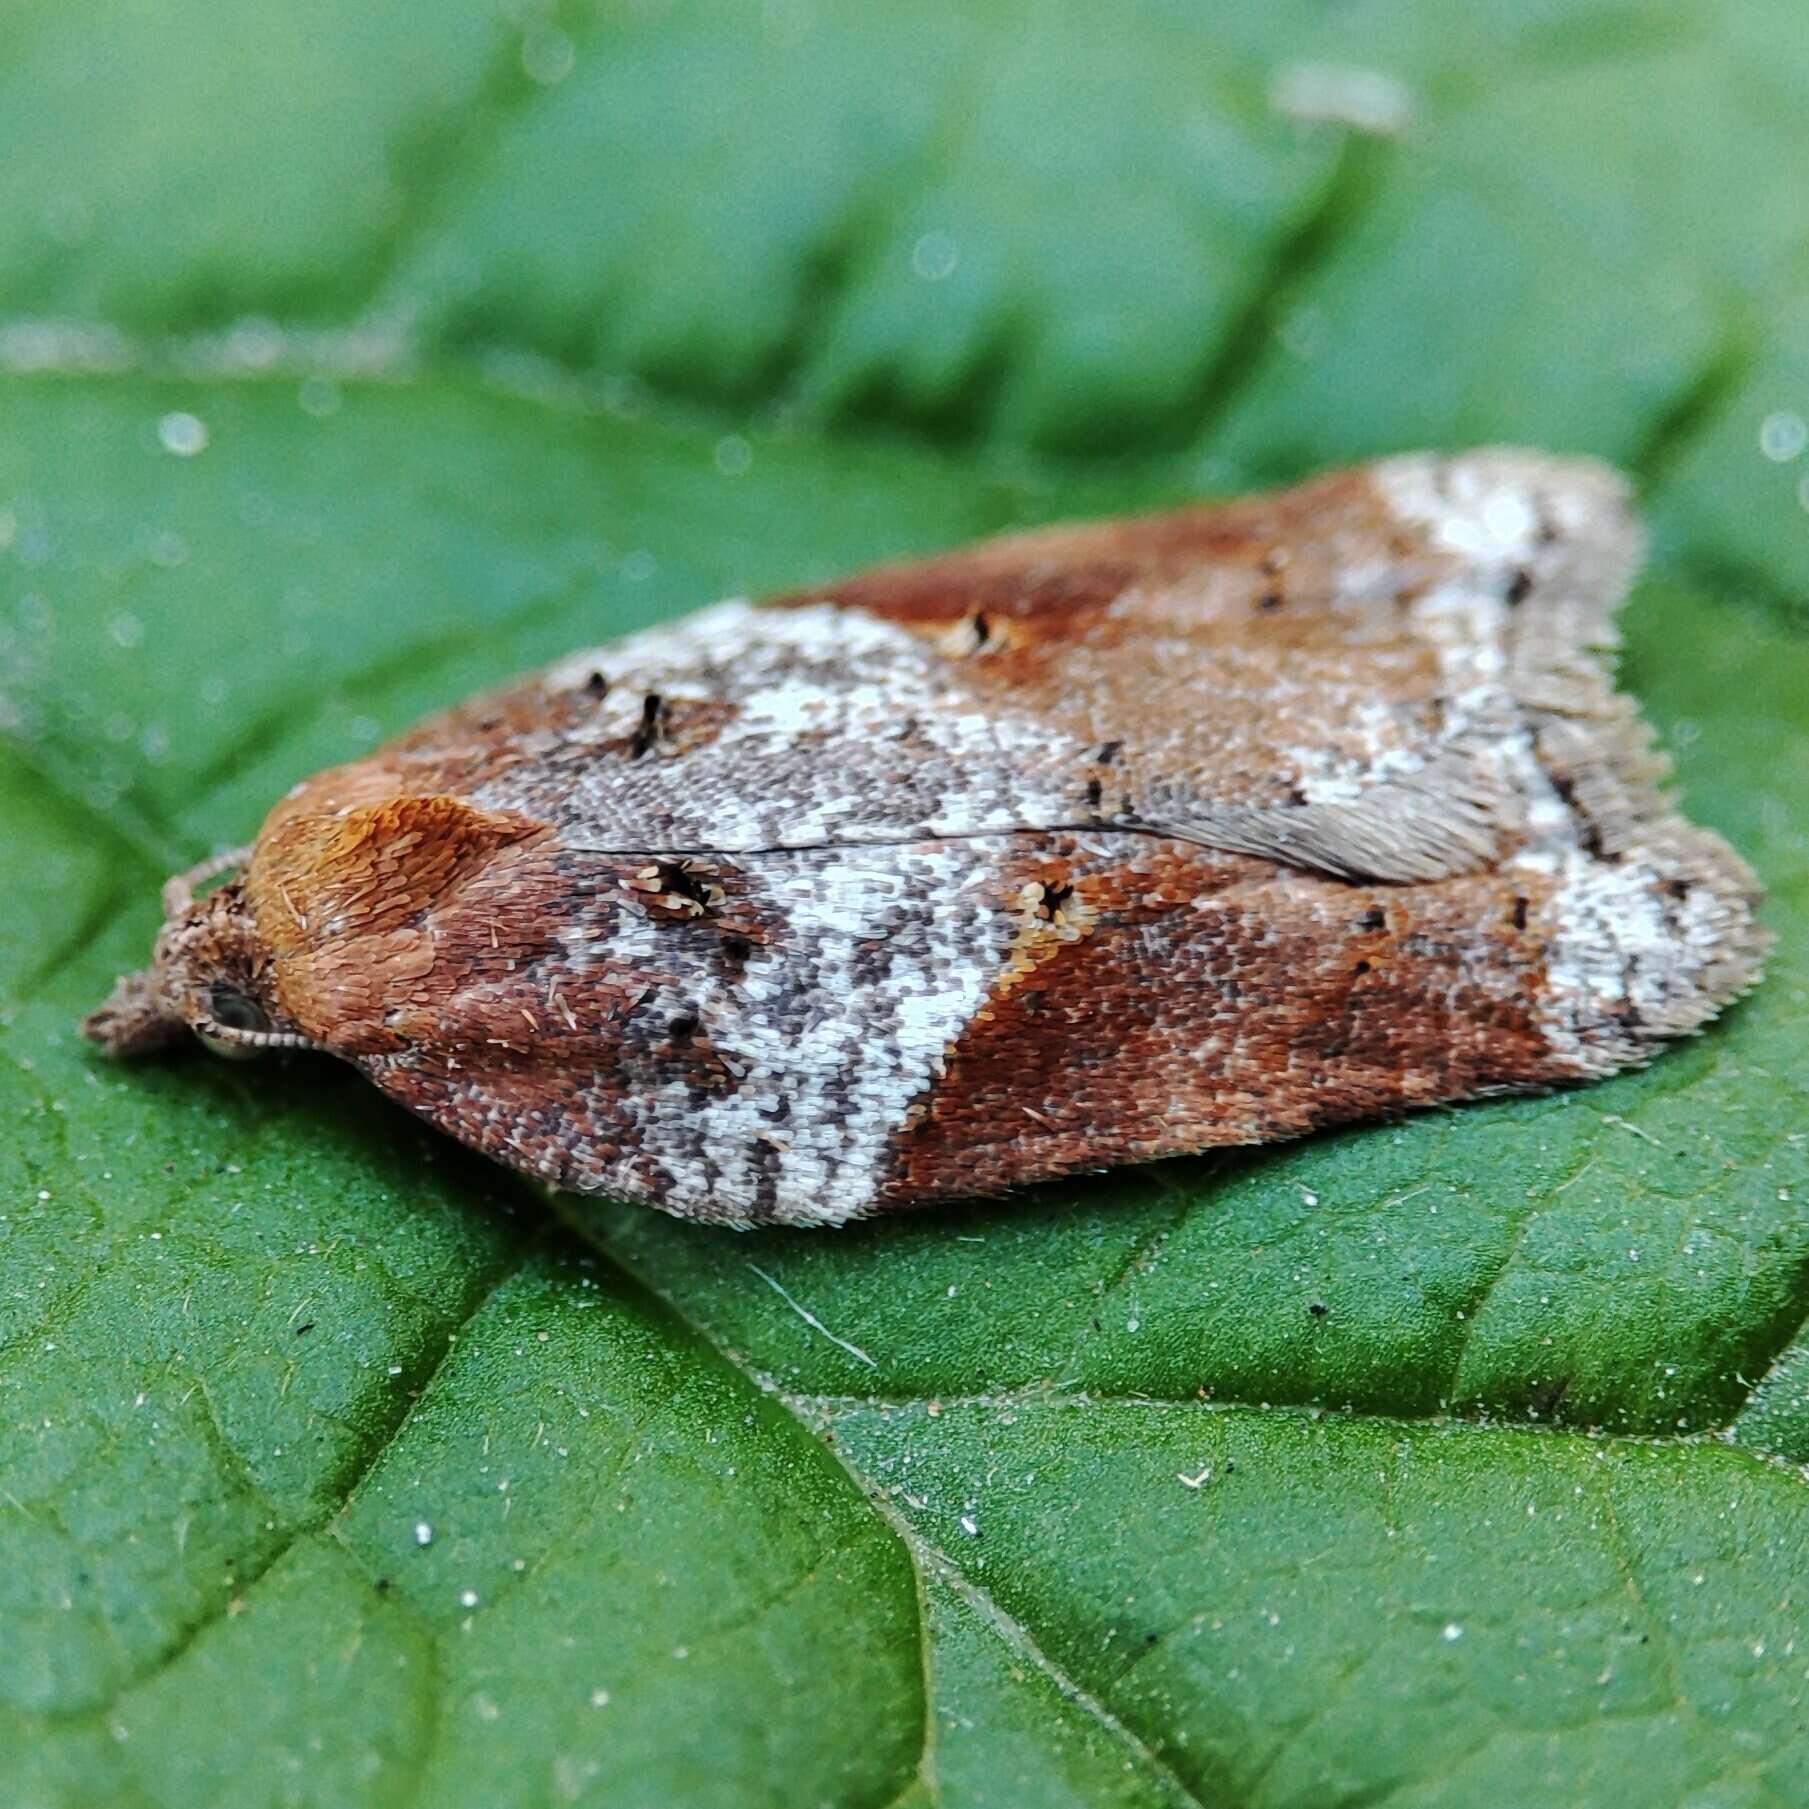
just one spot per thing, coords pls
(353, 356)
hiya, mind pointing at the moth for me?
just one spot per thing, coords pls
(1081, 846)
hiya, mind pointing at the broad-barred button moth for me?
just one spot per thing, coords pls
(1077, 847)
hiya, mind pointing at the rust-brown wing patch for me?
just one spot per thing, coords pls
(1192, 1000)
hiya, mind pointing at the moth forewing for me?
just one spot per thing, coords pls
(1080, 846)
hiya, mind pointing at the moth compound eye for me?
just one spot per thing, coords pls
(233, 1010)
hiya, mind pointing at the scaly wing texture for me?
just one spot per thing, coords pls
(1076, 847)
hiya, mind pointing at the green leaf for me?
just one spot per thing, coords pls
(346, 366)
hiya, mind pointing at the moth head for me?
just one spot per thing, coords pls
(207, 978)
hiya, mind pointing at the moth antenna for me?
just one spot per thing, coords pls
(253, 1039)
(179, 891)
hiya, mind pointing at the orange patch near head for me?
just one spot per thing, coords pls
(341, 902)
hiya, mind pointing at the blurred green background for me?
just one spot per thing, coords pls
(353, 356)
